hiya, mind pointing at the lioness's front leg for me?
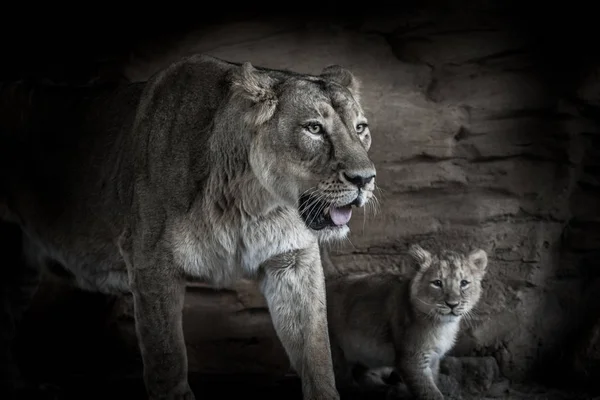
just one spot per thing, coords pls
(158, 296)
(294, 287)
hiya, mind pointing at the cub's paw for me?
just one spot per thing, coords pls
(179, 396)
(427, 394)
(50, 391)
(434, 396)
(180, 392)
(399, 392)
(326, 397)
(377, 376)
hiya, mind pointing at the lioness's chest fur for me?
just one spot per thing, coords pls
(222, 250)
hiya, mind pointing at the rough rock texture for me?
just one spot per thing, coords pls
(476, 143)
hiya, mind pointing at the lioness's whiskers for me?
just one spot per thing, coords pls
(372, 209)
(380, 190)
(308, 192)
(311, 203)
(376, 205)
(364, 217)
(319, 211)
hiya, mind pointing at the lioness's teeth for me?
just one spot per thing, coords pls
(326, 210)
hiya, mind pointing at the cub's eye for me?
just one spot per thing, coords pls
(360, 128)
(464, 283)
(315, 128)
(437, 283)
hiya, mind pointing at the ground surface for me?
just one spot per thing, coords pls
(230, 387)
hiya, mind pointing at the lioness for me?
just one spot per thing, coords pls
(381, 320)
(211, 170)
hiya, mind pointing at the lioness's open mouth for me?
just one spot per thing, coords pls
(319, 214)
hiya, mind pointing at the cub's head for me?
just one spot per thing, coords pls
(447, 285)
(310, 142)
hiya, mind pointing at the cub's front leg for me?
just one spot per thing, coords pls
(294, 287)
(435, 367)
(158, 296)
(419, 378)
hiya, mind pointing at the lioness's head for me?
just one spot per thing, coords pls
(310, 142)
(447, 285)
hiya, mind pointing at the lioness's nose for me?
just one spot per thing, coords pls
(359, 178)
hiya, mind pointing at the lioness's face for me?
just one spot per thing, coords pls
(314, 149)
(447, 285)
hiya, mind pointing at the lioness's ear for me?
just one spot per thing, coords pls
(420, 255)
(257, 87)
(479, 259)
(343, 77)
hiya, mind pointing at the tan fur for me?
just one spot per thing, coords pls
(212, 171)
(383, 320)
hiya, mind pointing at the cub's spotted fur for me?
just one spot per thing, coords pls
(378, 321)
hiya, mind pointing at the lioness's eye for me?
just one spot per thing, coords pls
(464, 283)
(315, 128)
(437, 283)
(360, 128)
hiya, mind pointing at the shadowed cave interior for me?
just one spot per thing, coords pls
(485, 129)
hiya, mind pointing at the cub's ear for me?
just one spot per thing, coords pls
(249, 83)
(344, 77)
(420, 255)
(478, 258)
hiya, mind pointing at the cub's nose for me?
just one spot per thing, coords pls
(452, 304)
(359, 178)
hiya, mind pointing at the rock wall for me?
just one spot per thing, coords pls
(473, 144)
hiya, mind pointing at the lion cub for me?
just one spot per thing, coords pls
(382, 320)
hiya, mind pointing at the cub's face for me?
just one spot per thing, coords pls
(311, 145)
(447, 285)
